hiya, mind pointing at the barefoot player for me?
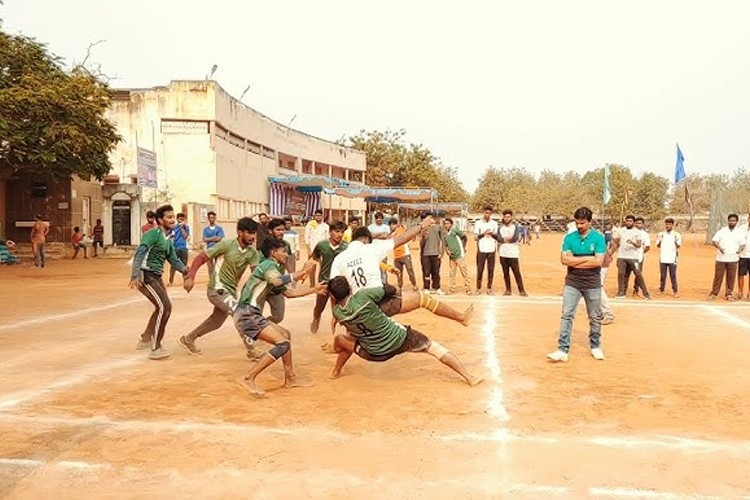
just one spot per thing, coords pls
(373, 336)
(251, 323)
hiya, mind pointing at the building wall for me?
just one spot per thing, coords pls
(22, 205)
(82, 190)
(213, 150)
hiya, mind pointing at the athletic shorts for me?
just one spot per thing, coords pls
(222, 300)
(414, 342)
(390, 304)
(744, 267)
(249, 321)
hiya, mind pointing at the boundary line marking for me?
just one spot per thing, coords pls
(495, 404)
(741, 448)
(727, 316)
(80, 312)
(80, 376)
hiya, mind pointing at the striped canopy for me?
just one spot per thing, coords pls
(384, 195)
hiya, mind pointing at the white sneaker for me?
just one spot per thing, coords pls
(598, 354)
(438, 292)
(558, 356)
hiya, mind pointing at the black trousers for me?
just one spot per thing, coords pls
(431, 272)
(663, 269)
(153, 288)
(512, 264)
(182, 253)
(488, 259)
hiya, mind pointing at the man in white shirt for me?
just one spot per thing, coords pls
(743, 268)
(668, 242)
(643, 250)
(380, 231)
(485, 231)
(361, 262)
(729, 242)
(626, 242)
(509, 234)
(315, 231)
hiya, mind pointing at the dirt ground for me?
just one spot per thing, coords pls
(82, 414)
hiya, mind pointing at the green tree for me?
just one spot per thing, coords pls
(504, 188)
(393, 162)
(51, 121)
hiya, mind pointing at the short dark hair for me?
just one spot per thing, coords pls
(247, 224)
(583, 213)
(339, 288)
(211, 213)
(98, 221)
(669, 220)
(271, 244)
(449, 219)
(630, 216)
(487, 207)
(353, 219)
(149, 215)
(507, 211)
(393, 220)
(362, 232)
(76, 229)
(159, 214)
(274, 223)
(180, 215)
(262, 214)
(337, 225)
(640, 219)
(378, 215)
(733, 216)
(289, 220)
(318, 212)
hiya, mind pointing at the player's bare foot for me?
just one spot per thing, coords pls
(328, 348)
(475, 381)
(250, 387)
(292, 382)
(466, 316)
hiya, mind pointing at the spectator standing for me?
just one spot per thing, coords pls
(668, 242)
(509, 234)
(292, 239)
(402, 255)
(455, 247)
(97, 234)
(39, 232)
(315, 231)
(431, 246)
(212, 234)
(729, 242)
(180, 239)
(485, 231)
(150, 222)
(642, 250)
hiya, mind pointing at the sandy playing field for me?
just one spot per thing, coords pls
(83, 415)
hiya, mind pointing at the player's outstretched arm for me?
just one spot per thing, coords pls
(198, 261)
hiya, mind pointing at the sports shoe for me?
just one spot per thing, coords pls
(490, 292)
(507, 293)
(438, 292)
(143, 344)
(711, 297)
(598, 354)
(677, 295)
(558, 356)
(315, 325)
(188, 345)
(619, 296)
(523, 294)
(159, 353)
(608, 319)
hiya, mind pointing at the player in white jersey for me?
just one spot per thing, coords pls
(360, 264)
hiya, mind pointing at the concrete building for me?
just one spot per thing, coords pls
(215, 153)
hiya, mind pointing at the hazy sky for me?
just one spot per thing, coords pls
(556, 84)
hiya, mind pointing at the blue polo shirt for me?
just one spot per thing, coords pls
(210, 232)
(590, 245)
(179, 242)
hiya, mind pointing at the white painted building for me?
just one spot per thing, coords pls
(213, 152)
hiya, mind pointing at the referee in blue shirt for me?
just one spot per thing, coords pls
(583, 254)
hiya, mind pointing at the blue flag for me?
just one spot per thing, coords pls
(607, 189)
(679, 170)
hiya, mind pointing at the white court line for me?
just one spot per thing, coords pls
(495, 404)
(639, 493)
(723, 314)
(556, 300)
(82, 375)
(492, 486)
(73, 314)
(675, 443)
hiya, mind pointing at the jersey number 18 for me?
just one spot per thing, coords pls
(358, 275)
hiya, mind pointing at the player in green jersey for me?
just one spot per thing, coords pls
(324, 253)
(251, 323)
(148, 265)
(237, 255)
(373, 336)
